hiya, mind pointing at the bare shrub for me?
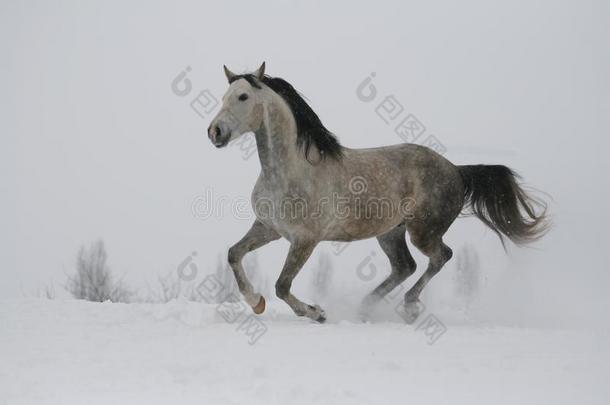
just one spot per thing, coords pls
(170, 287)
(47, 291)
(322, 276)
(93, 279)
(224, 274)
(467, 275)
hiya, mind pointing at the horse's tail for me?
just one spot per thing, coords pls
(493, 195)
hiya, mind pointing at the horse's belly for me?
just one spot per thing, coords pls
(340, 216)
(357, 229)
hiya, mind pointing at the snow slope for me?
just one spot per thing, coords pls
(78, 352)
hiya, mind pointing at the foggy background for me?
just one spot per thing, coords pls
(95, 144)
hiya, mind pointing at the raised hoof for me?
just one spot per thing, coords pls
(260, 307)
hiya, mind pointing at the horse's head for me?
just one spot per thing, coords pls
(242, 108)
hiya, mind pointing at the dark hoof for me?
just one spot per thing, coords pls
(319, 315)
(260, 307)
(410, 311)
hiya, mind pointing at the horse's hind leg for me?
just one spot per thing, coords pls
(258, 235)
(297, 256)
(439, 254)
(395, 247)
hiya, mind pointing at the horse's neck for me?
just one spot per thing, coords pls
(276, 141)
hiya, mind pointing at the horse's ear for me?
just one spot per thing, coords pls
(260, 72)
(230, 75)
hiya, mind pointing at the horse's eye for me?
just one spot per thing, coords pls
(243, 97)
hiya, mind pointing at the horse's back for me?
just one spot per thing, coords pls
(413, 160)
(431, 180)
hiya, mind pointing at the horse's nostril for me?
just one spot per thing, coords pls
(213, 132)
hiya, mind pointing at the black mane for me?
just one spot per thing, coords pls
(310, 129)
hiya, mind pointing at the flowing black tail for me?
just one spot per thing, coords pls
(494, 196)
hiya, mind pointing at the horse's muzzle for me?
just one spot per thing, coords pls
(216, 135)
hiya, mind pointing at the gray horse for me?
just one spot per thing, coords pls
(312, 189)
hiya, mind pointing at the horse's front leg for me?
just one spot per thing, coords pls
(297, 256)
(258, 235)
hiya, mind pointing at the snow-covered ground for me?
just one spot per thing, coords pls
(183, 352)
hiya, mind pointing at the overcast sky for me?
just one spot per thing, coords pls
(97, 145)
